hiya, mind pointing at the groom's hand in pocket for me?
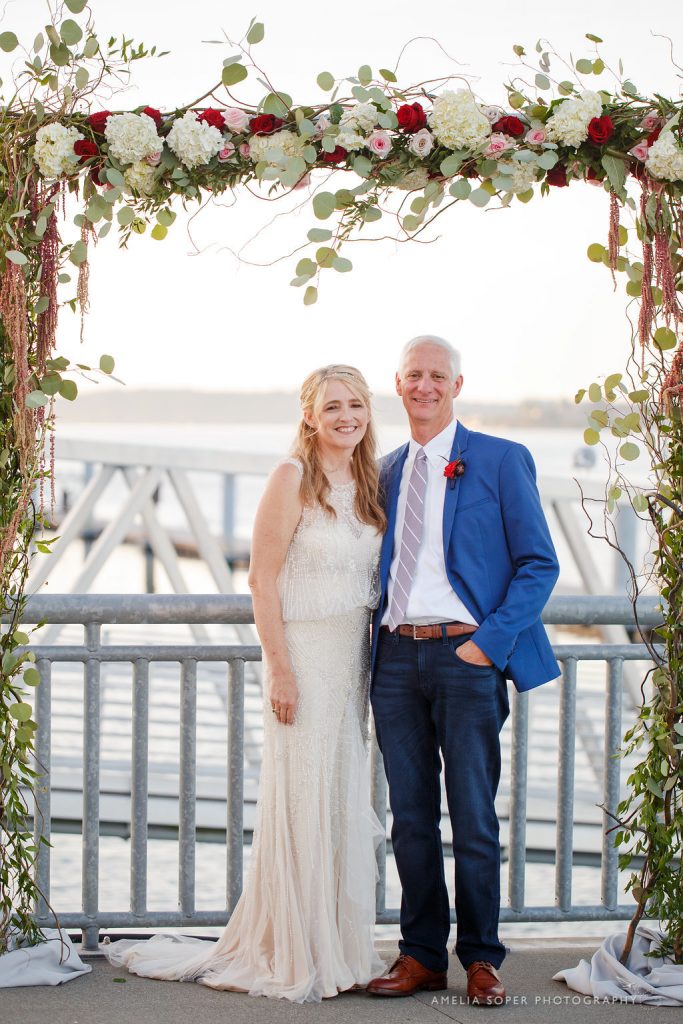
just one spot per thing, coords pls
(473, 655)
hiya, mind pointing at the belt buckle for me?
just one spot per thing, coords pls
(415, 636)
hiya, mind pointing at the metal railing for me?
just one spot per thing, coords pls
(93, 611)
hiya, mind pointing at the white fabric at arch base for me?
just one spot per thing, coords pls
(645, 979)
(48, 963)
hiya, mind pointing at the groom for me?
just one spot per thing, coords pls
(467, 565)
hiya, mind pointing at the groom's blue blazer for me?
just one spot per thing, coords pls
(498, 554)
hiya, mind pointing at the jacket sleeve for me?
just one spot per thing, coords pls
(535, 564)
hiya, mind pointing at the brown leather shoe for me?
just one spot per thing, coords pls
(484, 987)
(405, 976)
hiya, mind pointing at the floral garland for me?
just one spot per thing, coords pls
(129, 166)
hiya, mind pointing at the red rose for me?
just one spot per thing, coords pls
(154, 114)
(557, 176)
(600, 130)
(592, 175)
(637, 169)
(654, 135)
(85, 149)
(213, 117)
(509, 125)
(411, 117)
(337, 155)
(98, 121)
(264, 124)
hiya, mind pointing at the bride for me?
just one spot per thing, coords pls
(303, 927)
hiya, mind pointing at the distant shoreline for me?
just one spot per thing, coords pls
(177, 406)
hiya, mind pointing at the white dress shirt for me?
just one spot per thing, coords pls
(432, 598)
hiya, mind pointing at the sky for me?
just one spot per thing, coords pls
(512, 289)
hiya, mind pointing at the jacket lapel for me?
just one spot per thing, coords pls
(392, 485)
(452, 493)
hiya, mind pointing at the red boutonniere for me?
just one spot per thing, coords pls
(453, 470)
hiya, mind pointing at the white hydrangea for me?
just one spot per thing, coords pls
(416, 178)
(457, 121)
(350, 141)
(569, 123)
(54, 150)
(289, 143)
(665, 158)
(194, 142)
(140, 177)
(523, 174)
(363, 116)
(132, 137)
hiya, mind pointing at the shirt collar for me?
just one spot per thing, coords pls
(439, 448)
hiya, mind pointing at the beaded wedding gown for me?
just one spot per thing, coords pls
(303, 927)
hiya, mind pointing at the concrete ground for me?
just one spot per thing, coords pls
(110, 996)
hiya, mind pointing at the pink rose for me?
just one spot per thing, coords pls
(244, 149)
(535, 136)
(153, 159)
(226, 152)
(379, 143)
(640, 151)
(498, 143)
(421, 143)
(235, 119)
(650, 122)
(492, 113)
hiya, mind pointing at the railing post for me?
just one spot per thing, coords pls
(235, 801)
(379, 803)
(91, 786)
(565, 787)
(609, 892)
(518, 791)
(188, 786)
(138, 810)
(42, 786)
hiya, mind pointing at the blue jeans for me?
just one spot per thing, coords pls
(427, 701)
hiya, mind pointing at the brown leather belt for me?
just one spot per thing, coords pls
(433, 631)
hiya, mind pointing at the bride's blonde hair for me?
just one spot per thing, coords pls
(314, 485)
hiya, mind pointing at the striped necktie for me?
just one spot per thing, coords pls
(410, 540)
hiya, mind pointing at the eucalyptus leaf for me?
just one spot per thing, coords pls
(342, 265)
(584, 66)
(319, 235)
(591, 436)
(14, 256)
(71, 32)
(233, 74)
(106, 364)
(79, 253)
(76, 6)
(324, 205)
(664, 338)
(255, 33)
(479, 197)
(460, 188)
(68, 390)
(35, 399)
(629, 451)
(8, 41)
(326, 81)
(159, 232)
(310, 296)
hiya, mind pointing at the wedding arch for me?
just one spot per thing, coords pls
(422, 148)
